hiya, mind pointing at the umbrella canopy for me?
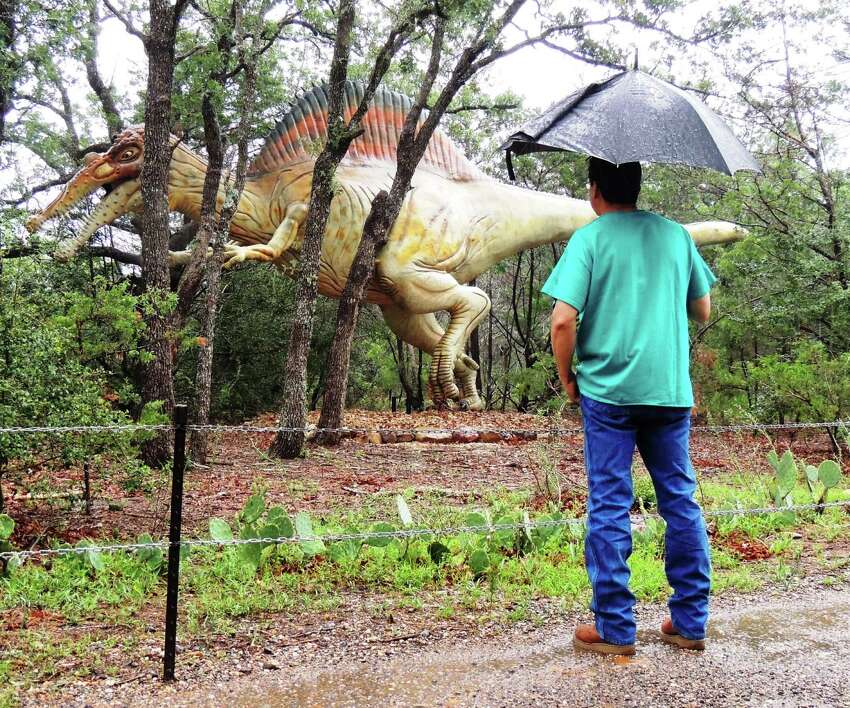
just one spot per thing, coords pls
(634, 117)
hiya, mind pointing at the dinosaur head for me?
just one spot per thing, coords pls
(117, 170)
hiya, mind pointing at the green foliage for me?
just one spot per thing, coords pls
(62, 357)
(254, 521)
(786, 475)
(304, 528)
(7, 527)
(92, 556)
(644, 493)
(220, 530)
(152, 558)
(819, 479)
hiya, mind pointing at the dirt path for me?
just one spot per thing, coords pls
(790, 649)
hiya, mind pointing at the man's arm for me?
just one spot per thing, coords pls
(700, 309)
(564, 319)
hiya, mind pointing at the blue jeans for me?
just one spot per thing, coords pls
(661, 436)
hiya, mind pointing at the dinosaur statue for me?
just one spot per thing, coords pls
(456, 222)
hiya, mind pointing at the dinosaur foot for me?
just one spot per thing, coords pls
(441, 384)
(471, 404)
(465, 373)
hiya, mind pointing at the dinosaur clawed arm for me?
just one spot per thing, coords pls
(283, 238)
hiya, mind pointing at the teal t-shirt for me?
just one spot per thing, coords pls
(630, 276)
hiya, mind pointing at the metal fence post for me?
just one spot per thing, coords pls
(181, 414)
(87, 487)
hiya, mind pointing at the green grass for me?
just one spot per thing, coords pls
(74, 588)
(218, 590)
(218, 587)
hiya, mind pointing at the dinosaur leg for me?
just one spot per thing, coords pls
(425, 333)
(423, 292)
(284, 236)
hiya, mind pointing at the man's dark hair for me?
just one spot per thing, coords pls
(618, 184)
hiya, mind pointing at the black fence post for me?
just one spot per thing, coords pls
(181, 415)
(87, 487)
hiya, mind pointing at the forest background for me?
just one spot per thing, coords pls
(75, 337)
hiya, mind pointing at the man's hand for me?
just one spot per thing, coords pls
(571, 387)
(564, 318)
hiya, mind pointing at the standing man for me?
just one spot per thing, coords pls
(624, 289)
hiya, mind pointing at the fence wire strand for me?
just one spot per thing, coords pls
(402, 533)
(516, 432)
(399, 533)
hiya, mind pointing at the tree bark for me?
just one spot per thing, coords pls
(384, 211)
(212, 270)
(158, 384)
(413, 141)
(290, 441)
(375, 231)
(9, 68)
(219, 231)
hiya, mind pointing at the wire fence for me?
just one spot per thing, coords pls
(515, 432)
(175, 542)
(22, 555)
(407, 533)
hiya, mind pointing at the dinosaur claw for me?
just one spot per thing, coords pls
(469, 361)
(255, 252)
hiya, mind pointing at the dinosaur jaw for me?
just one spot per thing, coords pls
(123, 199)
(122, 162)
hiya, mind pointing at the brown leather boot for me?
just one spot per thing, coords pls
(587, 638)
(671, 636)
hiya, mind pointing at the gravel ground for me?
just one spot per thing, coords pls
(787, 647)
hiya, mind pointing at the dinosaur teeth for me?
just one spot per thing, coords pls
(121, 200)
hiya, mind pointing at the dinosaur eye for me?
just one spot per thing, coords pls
(128, 154)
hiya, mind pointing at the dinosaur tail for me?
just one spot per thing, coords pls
(517, 219)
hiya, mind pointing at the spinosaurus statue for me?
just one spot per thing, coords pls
(456, 222)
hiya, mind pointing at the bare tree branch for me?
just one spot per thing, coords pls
(116, 254)
(581, 57)
(481, 107)
(124, 20)
(112, 115)
(17, 201)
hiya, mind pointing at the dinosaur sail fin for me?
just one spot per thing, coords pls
(299, 136)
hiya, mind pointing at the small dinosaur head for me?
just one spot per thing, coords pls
(117, 170)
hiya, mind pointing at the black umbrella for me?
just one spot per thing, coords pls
(634, 117)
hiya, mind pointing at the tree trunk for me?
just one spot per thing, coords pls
(289, 442)
(293, 413)
(158, 384)
(489, 396)
(203, 376)
(420, 393)
(402, 366)
(10, 65)
(219, 230)
(194, 272)
(375, 232)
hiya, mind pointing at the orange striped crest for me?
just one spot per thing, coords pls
(300, 135)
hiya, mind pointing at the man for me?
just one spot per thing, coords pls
(624, 289)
